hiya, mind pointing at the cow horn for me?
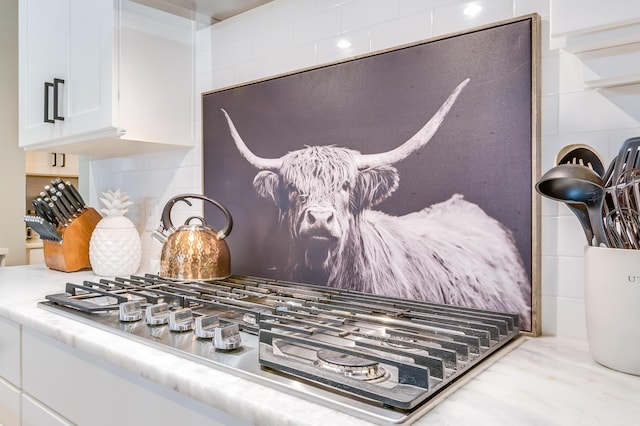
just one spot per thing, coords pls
(417, 141)
(257, 162)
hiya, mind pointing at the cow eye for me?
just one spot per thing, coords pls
(302, 198)
(346, 186)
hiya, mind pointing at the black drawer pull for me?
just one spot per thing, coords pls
(56, 83)
(47, 85)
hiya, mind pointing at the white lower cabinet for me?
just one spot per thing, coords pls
(10, 352)
(9, 373)
(90, 391)
(9, 404)
(36, 414)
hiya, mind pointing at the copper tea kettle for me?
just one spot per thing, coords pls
(193, 251)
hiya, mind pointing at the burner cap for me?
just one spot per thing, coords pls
(349, 365)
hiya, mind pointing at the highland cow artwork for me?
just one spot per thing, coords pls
(406, 173)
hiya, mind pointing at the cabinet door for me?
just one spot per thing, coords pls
(90, 86)
(71, 41)
(9, 404)
(43, 163)
(10, 351)
(36, 414)
(40, 163)
(43, 56)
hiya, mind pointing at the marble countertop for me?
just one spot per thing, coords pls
(544, 381)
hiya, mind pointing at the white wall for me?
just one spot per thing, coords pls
(12, 227)
(287, 35)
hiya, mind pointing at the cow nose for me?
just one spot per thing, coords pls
(319, 217)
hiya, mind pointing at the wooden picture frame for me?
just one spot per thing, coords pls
(486, 148)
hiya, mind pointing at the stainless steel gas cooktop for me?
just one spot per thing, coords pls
(378, 358)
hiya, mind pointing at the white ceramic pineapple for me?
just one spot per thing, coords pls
(115, 248)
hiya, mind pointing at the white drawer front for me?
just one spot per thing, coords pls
(10, 351)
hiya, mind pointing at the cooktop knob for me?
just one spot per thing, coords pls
(130, 311)
(157, 314)
(227, 336)
(205, 326)
(181, 320)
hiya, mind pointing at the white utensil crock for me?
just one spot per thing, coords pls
(612, 305)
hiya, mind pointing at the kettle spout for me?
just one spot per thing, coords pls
(158, 234)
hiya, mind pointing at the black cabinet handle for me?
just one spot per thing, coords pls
(54, 157)
(64, 160)
(47, 85)
(56, 83)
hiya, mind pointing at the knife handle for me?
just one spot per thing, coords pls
(61, 219)
(62, 208)
(67, 205)
(66, 191)
(76, 194)
(50, 190)
(43, 212)
(48, 214)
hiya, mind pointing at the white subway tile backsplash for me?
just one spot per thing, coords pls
(281, 63)
(411, 7)
(549, 236)
(570, 317)
(572, 77)
(548, 207)
(204, 62)
(234, 52)
(220, 78)
(287, 35)
(329, 50)
(525, 7)
(323, 25)
(406, 29)
(549, 312)
(550, 74)
(286, 12)
(549, 115)
(570, 277)
(273, 41)
(549, 276)
(203, 40)
(571, 240)
(459, 16)
(365, 13)
(597, 110)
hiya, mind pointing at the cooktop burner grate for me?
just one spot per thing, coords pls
(376, 357)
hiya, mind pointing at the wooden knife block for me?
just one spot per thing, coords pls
(72, 253)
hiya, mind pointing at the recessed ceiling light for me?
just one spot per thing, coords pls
(343, 44)
(472, 9)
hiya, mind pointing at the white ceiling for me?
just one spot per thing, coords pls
(206, 12)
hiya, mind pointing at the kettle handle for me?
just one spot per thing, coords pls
(166, 212)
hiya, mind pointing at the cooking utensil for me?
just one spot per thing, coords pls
(625, 196)
(627, 159)
(193, 251)
(574, 183)
(623, 228)
(584, 155)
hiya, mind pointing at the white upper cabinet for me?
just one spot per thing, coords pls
(104, 78)
(588, 25)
